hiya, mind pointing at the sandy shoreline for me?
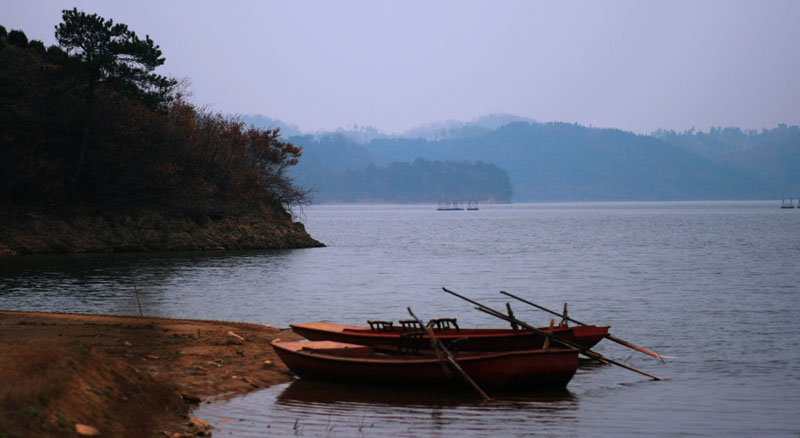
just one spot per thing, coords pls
(124, 375)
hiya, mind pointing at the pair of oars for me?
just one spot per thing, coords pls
(444, 356)
(552, 337)
(607, 336)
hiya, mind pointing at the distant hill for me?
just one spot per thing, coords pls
(777, 162)
(723, 143)
(339, 169)
(324, 162)
(771, 155)
(570, 162)
(365, 134)
(333, 151)
(457, 129)
(418, 181)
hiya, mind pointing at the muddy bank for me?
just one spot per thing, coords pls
(81, 230)
(125, 376)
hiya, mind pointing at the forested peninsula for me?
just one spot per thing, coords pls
(98, 153)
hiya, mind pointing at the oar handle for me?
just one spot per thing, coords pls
(543, 308)
(607, 336)
(592, 354)
(552, 337)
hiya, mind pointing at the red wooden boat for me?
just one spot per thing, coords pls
(504, 370)
(387, 336)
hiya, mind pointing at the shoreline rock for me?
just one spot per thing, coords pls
(148, 230)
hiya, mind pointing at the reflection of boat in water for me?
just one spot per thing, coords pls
(304, 391)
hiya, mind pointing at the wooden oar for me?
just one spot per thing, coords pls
(552, 337)
(547, 339)
(511, 314)
(440, 350)
(607, 336)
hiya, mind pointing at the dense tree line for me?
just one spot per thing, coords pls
(725, 143)
(769, 155)
(417, 181)
(89, 121)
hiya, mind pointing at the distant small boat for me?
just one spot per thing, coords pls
(789, 205)
(472, 205)
(507, 370)
(449, 206)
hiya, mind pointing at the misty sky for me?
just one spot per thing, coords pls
(632, 65)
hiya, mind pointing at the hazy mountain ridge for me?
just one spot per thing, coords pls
(457, 129)
(570, 162)
(364, 134)
(777, 161)
(769, 155)
(724, 143)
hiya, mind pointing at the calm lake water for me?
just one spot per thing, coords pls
(714, 284)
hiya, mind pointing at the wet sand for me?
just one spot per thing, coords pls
(123, 375)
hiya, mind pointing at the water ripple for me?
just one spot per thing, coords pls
(714, 284)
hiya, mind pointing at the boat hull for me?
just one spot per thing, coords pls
(476, 339)
(499, 371)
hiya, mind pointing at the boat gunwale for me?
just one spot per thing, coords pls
(327, 327)
(467, 356)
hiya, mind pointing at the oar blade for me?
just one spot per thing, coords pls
(553, 337)
(634, 346)
(607, 336)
